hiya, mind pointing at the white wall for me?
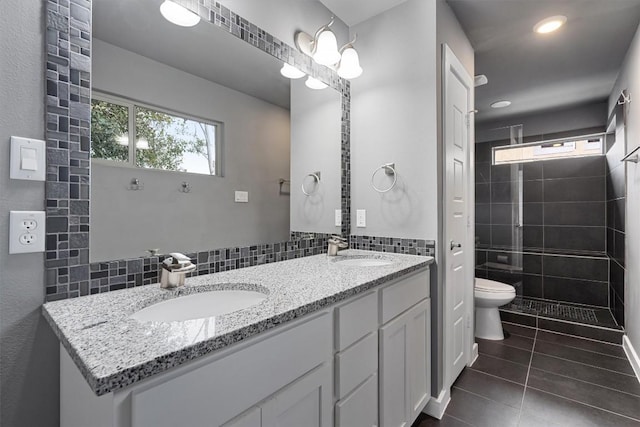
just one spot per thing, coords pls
(393, 120)
(629, 78)
(28, 348)
(315, 146)
(256, 156)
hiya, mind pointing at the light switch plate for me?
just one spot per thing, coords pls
(242, 197)
(361, 218)
(26, 231)
(28, 159)
(338, 218)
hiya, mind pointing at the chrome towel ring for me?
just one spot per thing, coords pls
(316, 180)
(389, 169)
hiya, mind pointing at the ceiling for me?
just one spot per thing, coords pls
(577, 64)
(353, 12)
(205, 50)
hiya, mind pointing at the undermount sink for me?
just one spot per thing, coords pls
(199, 305)
(363, 262)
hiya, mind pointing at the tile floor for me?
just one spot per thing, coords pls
(545, 379)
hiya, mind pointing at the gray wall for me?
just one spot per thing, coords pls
(544, 123)
(315, 146)
(28, 348)
(629, 79)
(256, 156)
(393, 120)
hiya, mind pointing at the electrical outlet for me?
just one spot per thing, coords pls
(361, 218)
(241, 197)
(26, 232)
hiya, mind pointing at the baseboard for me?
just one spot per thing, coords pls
(474, 354)
(631, 355)
(436, 406)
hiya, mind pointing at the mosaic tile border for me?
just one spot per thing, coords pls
(68, 82)
(129, 273)
(393, 244)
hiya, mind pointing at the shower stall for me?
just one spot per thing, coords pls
(541, 226)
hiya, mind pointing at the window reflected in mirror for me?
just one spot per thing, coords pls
(163, 140)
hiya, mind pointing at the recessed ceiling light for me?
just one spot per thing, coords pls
(179, 15)
(501, 104)
(550, 24)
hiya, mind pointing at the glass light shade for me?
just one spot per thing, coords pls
(178, 15)
(312, 83)
(326, 49)
(291, 72)
(549, 25)
(142, 144)
(123, 139)
(349, 64)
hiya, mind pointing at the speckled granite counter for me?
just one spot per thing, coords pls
(114, 351)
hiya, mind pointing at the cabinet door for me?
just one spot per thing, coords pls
(419, 321)
(405, 367)
(251, 418)
(394, 371)
(307, 402)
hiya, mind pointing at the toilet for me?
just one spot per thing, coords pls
(488, 296)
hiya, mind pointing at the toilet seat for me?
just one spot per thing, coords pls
(491, 286)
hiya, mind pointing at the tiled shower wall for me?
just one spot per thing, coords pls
(563, 252)
(616, 205)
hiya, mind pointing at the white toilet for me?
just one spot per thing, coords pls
(489, 295)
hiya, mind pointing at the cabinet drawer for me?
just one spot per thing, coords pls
(355, 364)
(403, 294)
(216, 392)
(356, 319)
(360, 408)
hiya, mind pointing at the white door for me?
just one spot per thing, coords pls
(419, 357)
(458, 277)
(394, 372)
(307, 402)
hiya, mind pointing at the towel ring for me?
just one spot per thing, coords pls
(316, 179)
(389, 169)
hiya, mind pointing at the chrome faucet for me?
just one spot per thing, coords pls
(336, 244)
(174, 270)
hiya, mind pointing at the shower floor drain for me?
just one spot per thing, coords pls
(551, 309)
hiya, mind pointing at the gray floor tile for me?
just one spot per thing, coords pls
(583, 356)
(523, 331)
(496, 349)
(591, 374)
(480, 411)
(557, 411)
(446, 421)
(496, 389)
(583, 344)
(501, 368)
(518, 341)
(600, 397)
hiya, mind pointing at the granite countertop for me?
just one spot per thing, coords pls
(114, 351)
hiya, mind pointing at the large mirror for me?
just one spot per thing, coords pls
(198, 141)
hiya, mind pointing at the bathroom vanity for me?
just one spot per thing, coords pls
(338, 341)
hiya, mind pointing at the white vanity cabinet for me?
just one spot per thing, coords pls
(363, 362)
(404, 357)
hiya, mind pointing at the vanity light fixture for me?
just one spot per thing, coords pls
(142, 144)
(323, 48)
(349, 67)
(549, 25)
(123, 139)
(313, 83)
(179, 15)
(501, 104)
(291, 72)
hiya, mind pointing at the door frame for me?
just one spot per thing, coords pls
(450, 61)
